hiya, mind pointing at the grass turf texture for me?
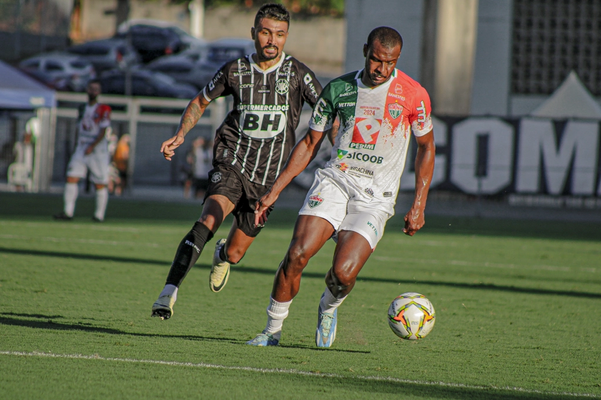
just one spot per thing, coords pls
(518, 308)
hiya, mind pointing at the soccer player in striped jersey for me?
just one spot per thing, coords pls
(354, 195)
(251, 147)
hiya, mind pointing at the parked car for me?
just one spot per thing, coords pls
(74, 69)
(183, 67)
(107, 54)
(56, 83)
(221, 51)
(145, 83)
(153, 39)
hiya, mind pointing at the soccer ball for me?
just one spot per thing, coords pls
(411, 316)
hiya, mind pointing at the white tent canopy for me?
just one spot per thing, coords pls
(570, 100)
(20, 92)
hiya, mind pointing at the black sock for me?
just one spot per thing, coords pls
(222, 254)
(188, 252)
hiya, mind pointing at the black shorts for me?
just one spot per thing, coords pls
(228, 182)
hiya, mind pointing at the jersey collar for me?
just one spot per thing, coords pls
(361, 85)
(270, 69)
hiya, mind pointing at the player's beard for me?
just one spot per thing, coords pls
(268, 57)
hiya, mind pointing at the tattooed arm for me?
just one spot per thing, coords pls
(196, 107)
(424, 168)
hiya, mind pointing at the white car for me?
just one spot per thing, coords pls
(73, 69)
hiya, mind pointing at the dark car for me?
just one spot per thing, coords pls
(145, 83)
(221, 51)
(153, 39)
(107, 54)
(183, 67)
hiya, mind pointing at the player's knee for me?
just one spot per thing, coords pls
(340, 279)
(297, 256)
(234, 256)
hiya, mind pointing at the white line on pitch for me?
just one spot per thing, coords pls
(484, 264)
(88, 241)
(293, 372)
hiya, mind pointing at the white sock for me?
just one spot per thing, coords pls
(329, 302)
(70, 197)
(170, 290)
(276, 313)
(102, 198)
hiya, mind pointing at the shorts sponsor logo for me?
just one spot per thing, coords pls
(216, 177)
(369, 191)
(373, 227)
(315, 200)
(395, 110)
(387, 194)
(281, 86)
(373, 159)
(365, 133)
(263, 124)
(342, 166)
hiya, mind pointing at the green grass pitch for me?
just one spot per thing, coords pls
(518, 311)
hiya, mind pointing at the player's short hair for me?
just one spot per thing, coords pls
(94, 80)
(388, 37)
(273, 11)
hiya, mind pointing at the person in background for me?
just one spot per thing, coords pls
(121, 161)
(91, 155)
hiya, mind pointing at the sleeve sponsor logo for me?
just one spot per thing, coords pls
(318, 112)
(263, 124)
(307, 78)
(365, 133)
(421, 112)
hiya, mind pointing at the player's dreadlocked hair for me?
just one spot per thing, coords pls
(273, 11)
(388, 37)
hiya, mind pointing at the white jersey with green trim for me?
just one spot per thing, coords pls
(375, 125)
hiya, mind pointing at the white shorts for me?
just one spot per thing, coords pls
(346, 207)
(96, 162)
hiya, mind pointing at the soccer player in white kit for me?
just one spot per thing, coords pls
(91, 154)
(354, 195)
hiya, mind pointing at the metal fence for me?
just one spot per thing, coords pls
(148, 121)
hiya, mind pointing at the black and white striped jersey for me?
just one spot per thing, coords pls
(258, 134)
